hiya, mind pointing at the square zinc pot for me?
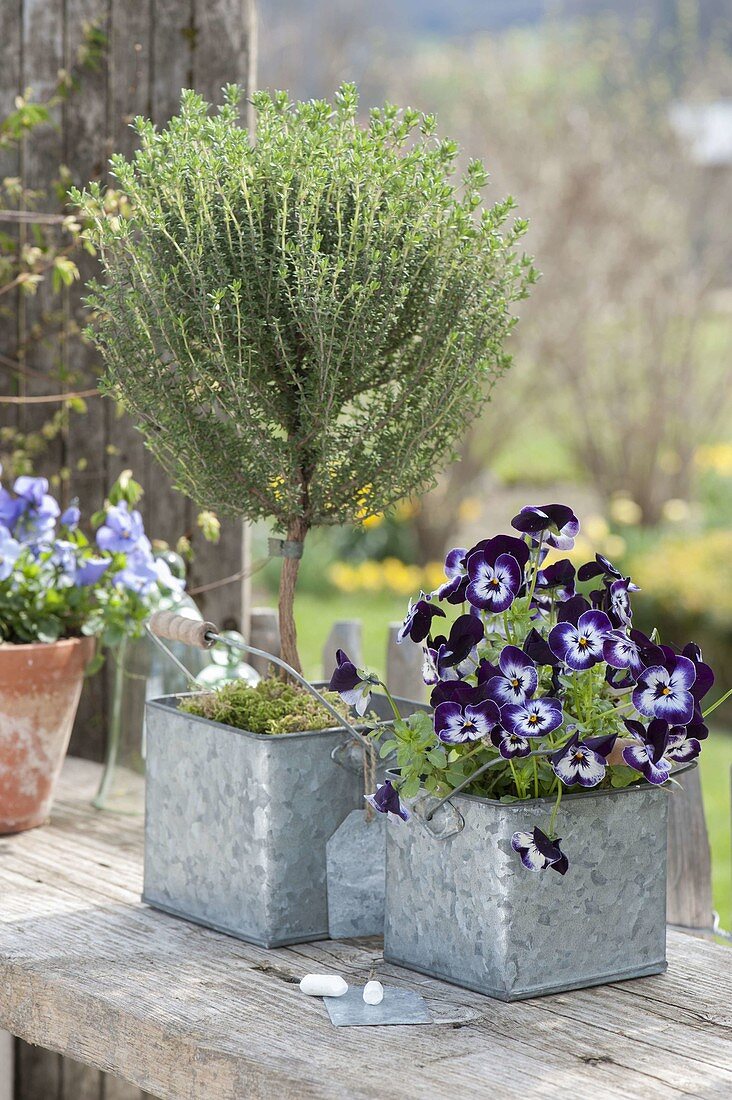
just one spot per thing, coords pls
(464, 909)
(236, 823)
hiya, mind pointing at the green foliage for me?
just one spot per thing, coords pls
(302, 325)
(272, 706)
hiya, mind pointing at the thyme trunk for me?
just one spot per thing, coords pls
(302, 325)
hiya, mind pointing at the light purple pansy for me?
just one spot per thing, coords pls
(583, 763)
(91, 571)
(70, 518)
(682, 745)
(537, 851)
(455, 723)
(10, 550)
(620, 599)
(649, 755)
(580, 646)
(493, 587)
(121, 530)
(664, 691)
(385, 800)
(534, 718)
(518, 677)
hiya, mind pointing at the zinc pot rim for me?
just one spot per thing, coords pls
(593, 792)
(169, 703)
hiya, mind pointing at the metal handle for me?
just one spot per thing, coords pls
(166, 624)
(177, 628)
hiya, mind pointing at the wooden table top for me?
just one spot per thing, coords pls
(187, 1014)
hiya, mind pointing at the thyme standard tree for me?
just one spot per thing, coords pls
(304, 323)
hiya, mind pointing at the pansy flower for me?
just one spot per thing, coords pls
(556, 522)
(619, 597)
(580, 646)
(418, 622)
(622, 651)
(664, 691)
(583, 763)
(681, 746)
(517, 680)
(385, 800)
(510, 744)
(39, 510)
(649, 755)
(121, 530)
(493, 586)
(465, 633)
(457, 576)
(457, 691)
(558, 579)
(534, 718)
(70, 518)
(10, 509)
(353, 686)
(600, 567)
(91, 570)
(537, 851)
(455, 724)
(10, 550)
(704, 675)
(537, 649)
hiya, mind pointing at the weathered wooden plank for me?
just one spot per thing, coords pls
(187, 1013)
(80, 1082)
(689, 892)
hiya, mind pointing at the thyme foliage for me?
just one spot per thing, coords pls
(302, 324)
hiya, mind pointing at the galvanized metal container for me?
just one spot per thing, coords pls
(236, 823)
(463, 908)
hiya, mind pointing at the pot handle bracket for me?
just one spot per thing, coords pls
(437, 816)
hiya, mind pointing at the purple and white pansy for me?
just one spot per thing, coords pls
(583, 763)
(385, 800)
(418, 621)
(580, 646)
(353, 686)
(455, 723)
(534, 682)
(517, 679)
(664, 691)
(537, 851)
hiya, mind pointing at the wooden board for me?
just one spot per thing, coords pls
(188, 1014)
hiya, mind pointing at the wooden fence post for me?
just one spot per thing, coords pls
(345, 634)
(404, 667)
(264, 633)
(689, 888)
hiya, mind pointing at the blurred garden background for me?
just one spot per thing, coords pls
(613, 123)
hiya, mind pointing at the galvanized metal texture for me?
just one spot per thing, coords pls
(237, 823)
(464, 908)
(355, 864)
(399, 1006)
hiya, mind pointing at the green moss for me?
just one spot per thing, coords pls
(273, 706)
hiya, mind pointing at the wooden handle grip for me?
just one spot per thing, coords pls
(176, 628)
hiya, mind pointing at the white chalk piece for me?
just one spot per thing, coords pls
(373, 993)
(323, 985)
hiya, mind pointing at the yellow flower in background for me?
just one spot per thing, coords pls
(434, 575)
(470, 510)
(676, 510)
(406, 510)
(685, 573)
(624, 509)
(596, 528)
(372, 521)
(716, 457)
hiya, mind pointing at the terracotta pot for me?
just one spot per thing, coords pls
(40, 685)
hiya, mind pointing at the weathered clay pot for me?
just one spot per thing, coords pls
(40, 685)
